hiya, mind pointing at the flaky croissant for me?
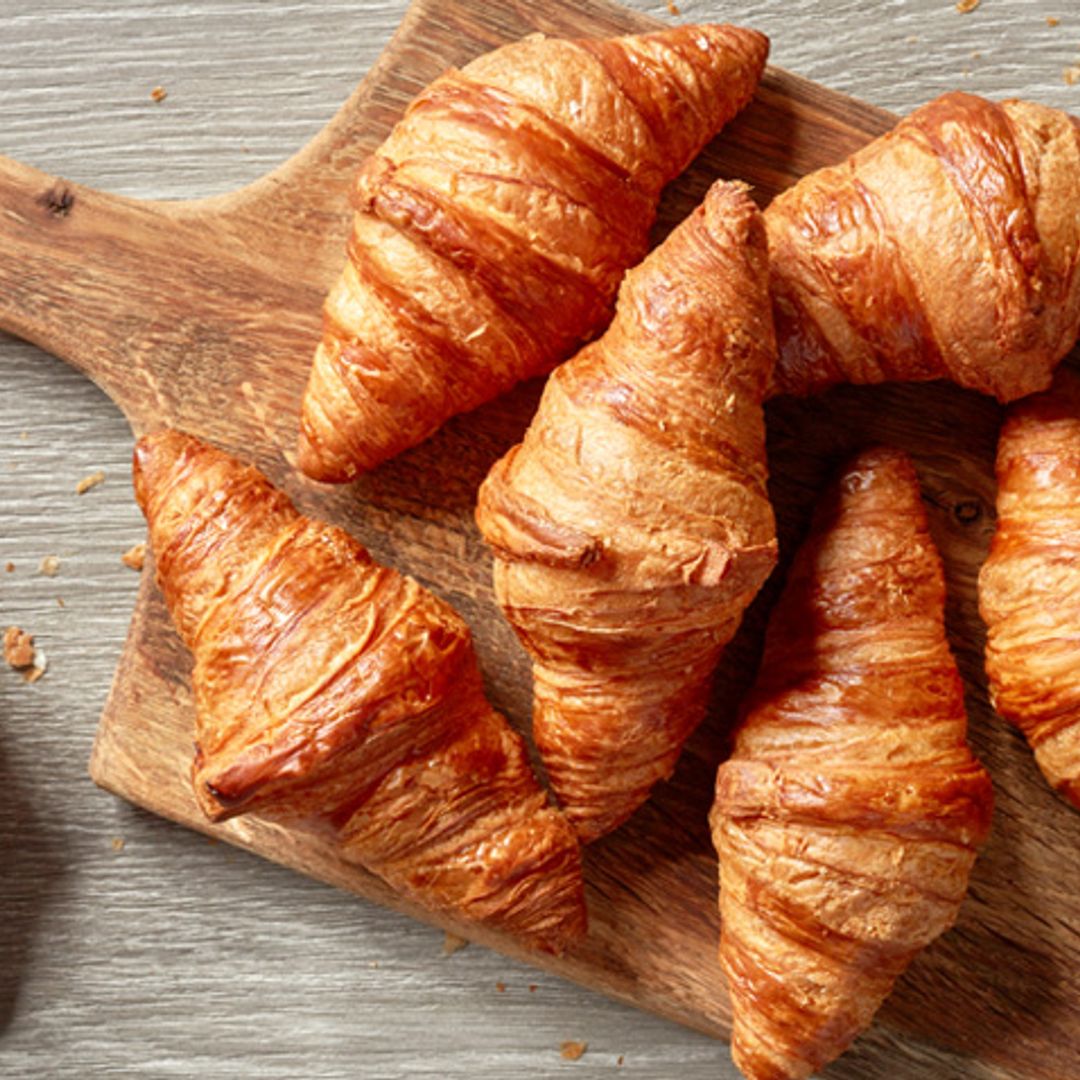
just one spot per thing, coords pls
(331, 689)
(493, 226)
(944, 249)
(631, 528)
(846, 820)
(1029, 587)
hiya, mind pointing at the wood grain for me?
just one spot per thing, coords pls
(246, 273)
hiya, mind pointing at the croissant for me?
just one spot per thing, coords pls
(331, 689)
(946, 249)
(1029, 587)
(493, 226)
(847, 818)
(631, 527)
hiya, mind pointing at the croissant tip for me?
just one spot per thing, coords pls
(316, 465)
(728, 204)
(757, 38)
(593, 820)
(153, 452)
(162, 443)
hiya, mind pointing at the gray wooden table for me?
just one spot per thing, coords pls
(129, 946)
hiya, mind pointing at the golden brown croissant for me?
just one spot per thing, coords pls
(632, 527)
(847, 819)
(493, 226)
(944, 249)
(331, 689)
(1029, 587)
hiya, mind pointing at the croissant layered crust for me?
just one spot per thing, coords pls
(847, 818)
(632, 526)
(1029, 586)
(332, 690)
(946, 249)
(493, 226)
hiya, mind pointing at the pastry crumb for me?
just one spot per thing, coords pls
(1071, 75)
(571, 1050)
(21, 655)
(134, 557)
(118, 843)
(673, 8)
(50, 566)
(620, 1061)
(1052, 20)
(87, 483)
(60, 601)
(24, 435)
(966, 6)
(452, 944)
(501, 987)
(159, 94)
(18, 647)
(10, 567)
(533, 988)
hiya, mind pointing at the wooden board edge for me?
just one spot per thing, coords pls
(250, 834)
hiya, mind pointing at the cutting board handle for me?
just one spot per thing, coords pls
(146, 297)
(108, 283)
(74, 263)
(40, 295)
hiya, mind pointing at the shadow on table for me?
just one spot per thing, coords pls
(31, 864)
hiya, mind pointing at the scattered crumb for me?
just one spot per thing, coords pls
(1071, 75)
(59, 601)
(533, 988)
(89, 482)
(373, 964)
(620, 1061)
(159, 94)
(134, 557)
(501, 987)
(20, 654)
(18, 647)
(118, 843)
(571, 1050)
(10, 568)
(1052, 21)
(912, 39)
(673, 8)
(50, 566)
(976, 55)
(24, 435)
(452, 944)
(966, 6)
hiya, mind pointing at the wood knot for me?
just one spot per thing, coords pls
(58, 200)
(967, 511)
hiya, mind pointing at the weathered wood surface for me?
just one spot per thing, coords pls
(999, 997)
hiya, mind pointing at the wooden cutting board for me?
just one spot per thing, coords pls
(203, 315)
